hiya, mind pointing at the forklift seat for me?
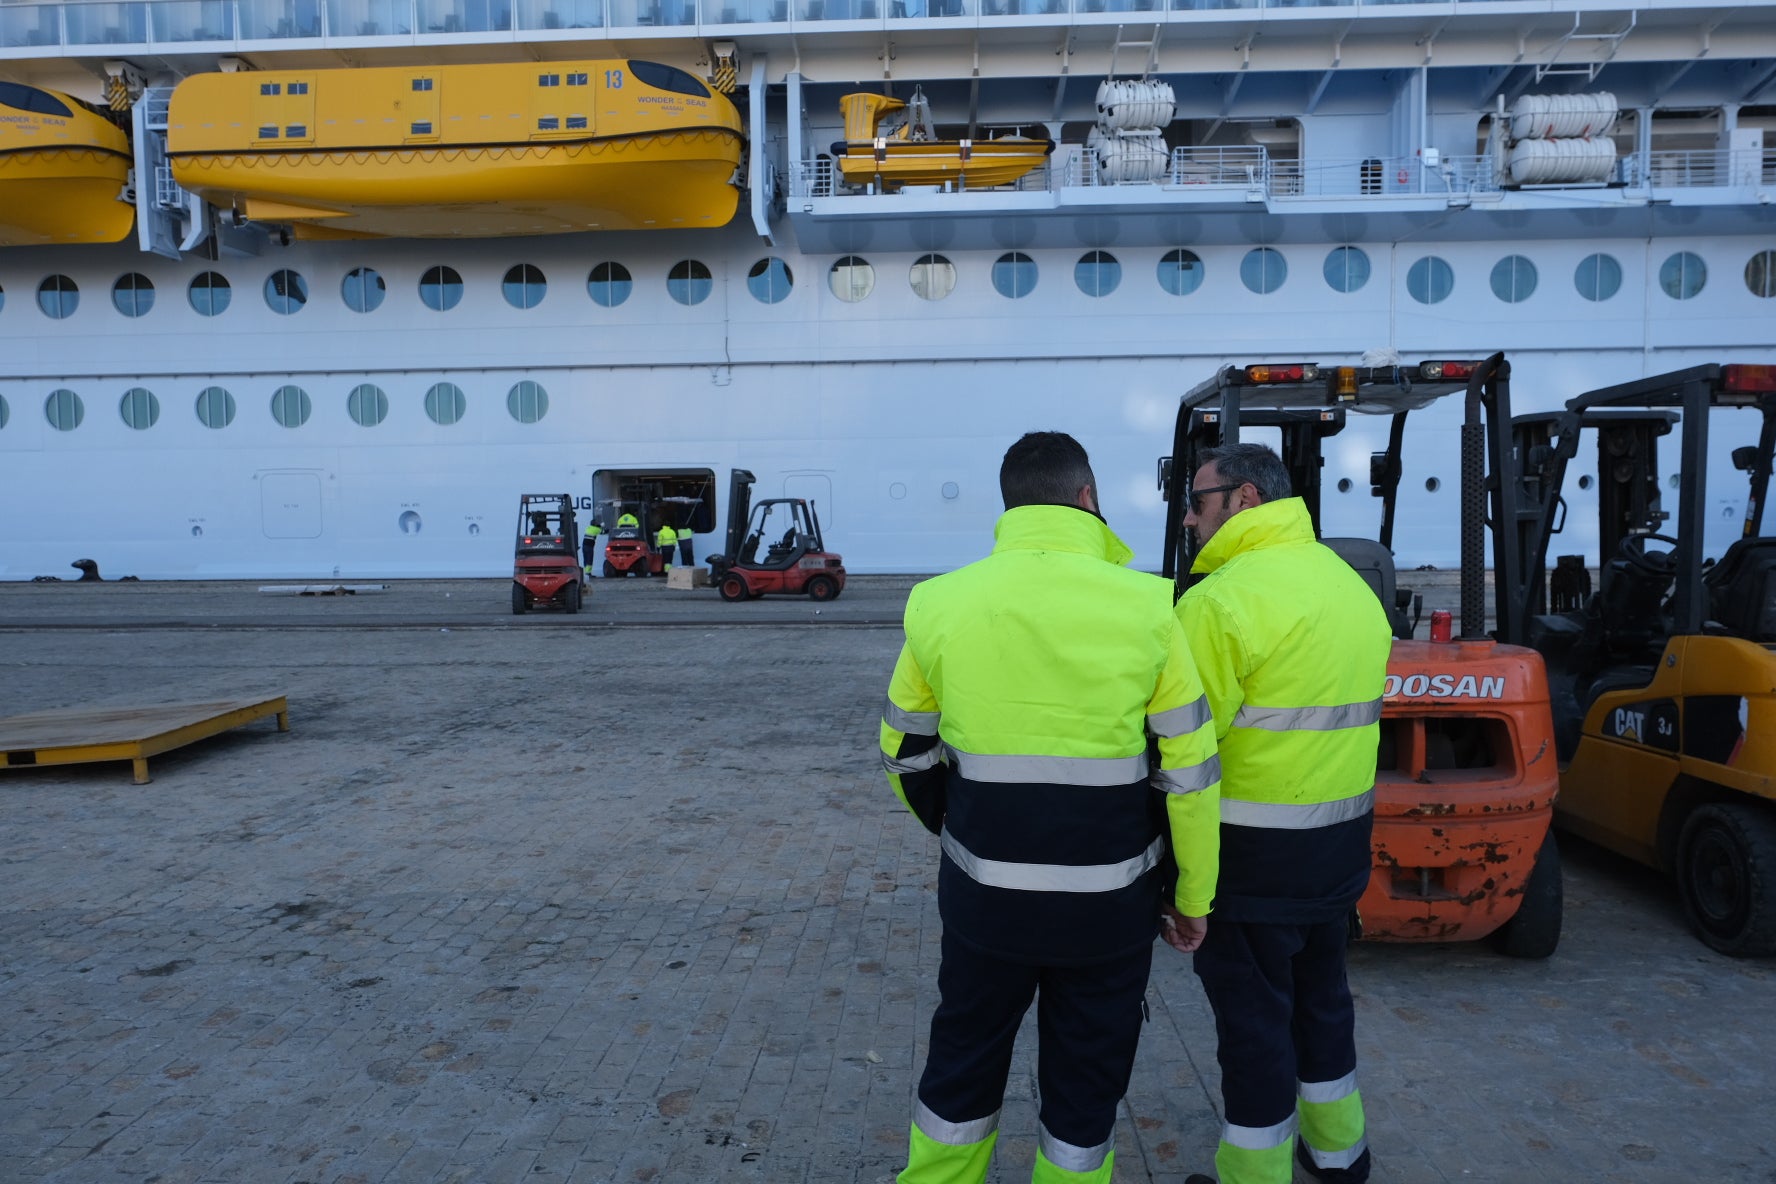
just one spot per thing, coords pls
(1742, 589)
(1375, 563)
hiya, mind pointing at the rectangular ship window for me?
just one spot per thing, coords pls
(548, 80)
(268, 88)
(268, 132)
(422, 127)
(548, 123)
(298, 88)
(296, 131)
(576, 80)
(422, 84)
(576, 121)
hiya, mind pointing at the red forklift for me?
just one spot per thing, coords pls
(629, 550)
(546, 568)
(794, 559)
(1464, 789)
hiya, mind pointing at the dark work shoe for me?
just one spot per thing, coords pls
(1357, 1173)
(1198, 1178)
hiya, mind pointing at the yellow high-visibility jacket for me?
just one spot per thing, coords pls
(1017, 725)
(1292, 646)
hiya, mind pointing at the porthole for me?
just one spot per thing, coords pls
(441, 288)
(1513, 279)
(209, 294)
(933, 277)
(1430, 280)
(1682, 276)
(1097, 273)
(1180, 272)
(689, 282)
(139, 408)
(524, 286)
(409, 522)
(286, 292)
(1585, 481)
(770, 280)
(1344, 485)
(1346, 269)
(445, 403)
(1598, 277)
(215, 407)
(1263, 270)
(950, 491)
(1014, 275)
(1432, 485)
(2, 297)
(527, 401)
(363, 289)
(368, 404)
(5, 412)
(609, 284)
(851, 279)
(133, 294)
(58, 297)
(1760, 274)
(291, 406)
(64, 410)
(1674, 480)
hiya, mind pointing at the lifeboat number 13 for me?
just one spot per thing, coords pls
(613, 79)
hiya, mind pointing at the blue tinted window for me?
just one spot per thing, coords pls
(1682, 275)
(1430, 280)
(1346, 269)
(770, 280)
(58, 297)
(1014, 275)
(210, 294)
(610, 284)
(1263, 270)
(524, 286)
(133, 294)
(1513, 279)
(441, 288)
(286, 291)
(1598, 277)
(1097, 273)
(363, 289)
(1180, 272)
(689, 282)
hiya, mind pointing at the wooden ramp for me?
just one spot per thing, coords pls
(74, 735)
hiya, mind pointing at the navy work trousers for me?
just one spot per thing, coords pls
(1283, 1015)
(1088, 1024)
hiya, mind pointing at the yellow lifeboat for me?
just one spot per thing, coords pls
(912, 154)
(460, 151)
(64, 170)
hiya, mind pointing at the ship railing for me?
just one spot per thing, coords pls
(1235, 166)
(1383, 176)
(1699, 169)
(72, 23)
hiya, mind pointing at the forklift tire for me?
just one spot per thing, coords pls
(610, 570)
(520, 599)
(1534, 931)
(570, 598)
(1726, 875)
(732, 588)
(822, 588)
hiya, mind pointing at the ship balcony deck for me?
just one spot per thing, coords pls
(1243, 194)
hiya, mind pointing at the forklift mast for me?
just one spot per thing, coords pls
(739, 507)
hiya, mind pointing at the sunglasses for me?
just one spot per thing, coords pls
(1197, 495)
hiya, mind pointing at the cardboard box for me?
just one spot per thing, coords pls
(688, 577)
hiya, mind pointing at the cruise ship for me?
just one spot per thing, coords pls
(317, 288)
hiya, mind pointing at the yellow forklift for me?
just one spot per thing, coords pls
(1663, 681)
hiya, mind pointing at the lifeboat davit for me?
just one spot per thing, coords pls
(64, 171)
(460, 151)
(912, 154)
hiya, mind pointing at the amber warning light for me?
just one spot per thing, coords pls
(1750, 380)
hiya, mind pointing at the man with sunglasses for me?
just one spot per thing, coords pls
(1017, 725)
(1292, 646)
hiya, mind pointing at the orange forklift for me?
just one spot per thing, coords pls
(629, 550)
(546, 568)
(1465, 780)
(793, 563)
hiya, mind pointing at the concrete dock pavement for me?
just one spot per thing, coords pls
(579, 899)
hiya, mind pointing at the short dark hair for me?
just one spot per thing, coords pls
(1045, 469)
(1250, 464)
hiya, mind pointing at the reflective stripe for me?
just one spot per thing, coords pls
(1328, 1091)
(1189, 779)
(1259, 1138)
(916, 762)
(956, 1134)
(1308, 719)
(1180, 721)
(1052, 877)
(1069, 1156)
(1337, 1159)
(913, 723)
(1278, 816)
(1051, 770)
